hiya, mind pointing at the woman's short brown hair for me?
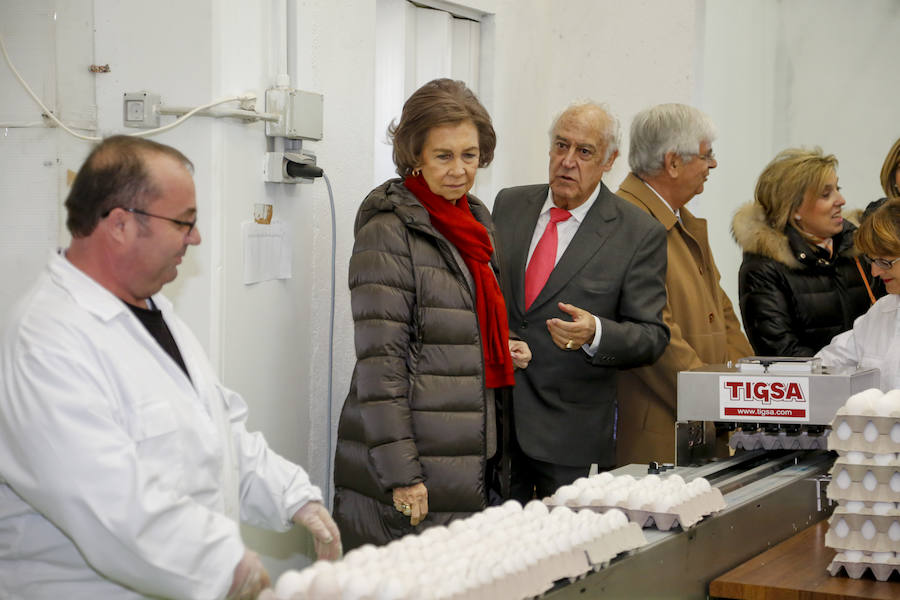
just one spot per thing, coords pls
(782, 185)
(439, 102)
(879, 233)
(889, 171)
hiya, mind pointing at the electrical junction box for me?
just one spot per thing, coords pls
(301, 114)
(141, 109)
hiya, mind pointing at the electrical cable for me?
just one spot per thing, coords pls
(34, 97)
(89, 138)
(328, 465)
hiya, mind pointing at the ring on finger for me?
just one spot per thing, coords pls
(569, 345)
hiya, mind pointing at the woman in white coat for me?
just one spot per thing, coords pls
(874, 340)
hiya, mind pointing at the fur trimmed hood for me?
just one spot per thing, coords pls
(753, 234)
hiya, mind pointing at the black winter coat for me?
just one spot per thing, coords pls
(794, 298)
(417, 410)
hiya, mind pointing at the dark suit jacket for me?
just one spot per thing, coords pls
(564, 403)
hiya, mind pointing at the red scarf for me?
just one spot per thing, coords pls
(456, 223)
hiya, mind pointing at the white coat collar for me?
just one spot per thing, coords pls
(90, 295)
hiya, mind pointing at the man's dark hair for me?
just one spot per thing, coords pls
(114, 175)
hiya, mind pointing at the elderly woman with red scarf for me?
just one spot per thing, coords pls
(418, 435)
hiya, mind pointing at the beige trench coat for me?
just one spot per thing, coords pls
(704, 330)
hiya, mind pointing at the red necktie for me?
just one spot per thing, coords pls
(544, 257)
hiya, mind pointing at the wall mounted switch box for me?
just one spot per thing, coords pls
(301, 114)
(141, 109)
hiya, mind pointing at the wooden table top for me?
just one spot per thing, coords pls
(796, 569)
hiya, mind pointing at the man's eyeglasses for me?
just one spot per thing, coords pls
(882, 263)
(709, 157)
(187, 226)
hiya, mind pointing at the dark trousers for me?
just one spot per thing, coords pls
(531, 478)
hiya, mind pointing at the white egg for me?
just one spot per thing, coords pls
(870, 432)
(870, 482)
(857, 403)
(844, 431)
(882, 557)
(882, 508)
(324, 583)
(622, 480)
(586, 497)
(843, 479)
(855, 506)
(841, 529)
(868, 530)
(853, 555)
(615, 519)
(700, 483)
(293, 582)
(676, 478)
(882, 406)
(359, 587)
(604, 477)
(565, 493)
(512, 506)
(662, 504)
(651, 479)
(561, 513)
(894, 531)
(581, 482)
(615, 496)
(895, 482)
(636, 499)
(895, 433)
(855, 458)
(893, 399)
(536, 507)
(883, 459)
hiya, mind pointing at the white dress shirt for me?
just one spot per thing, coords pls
(565, 231)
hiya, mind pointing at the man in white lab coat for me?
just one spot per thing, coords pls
(124, 463)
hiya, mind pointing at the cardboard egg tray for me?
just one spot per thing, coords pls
(684, 515)
(883, 490)
(571, 565)
(888, 439)
(626, 538)
(741, 440)
(886, 536)
(855, 570)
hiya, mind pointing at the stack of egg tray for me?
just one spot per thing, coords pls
(865, 482)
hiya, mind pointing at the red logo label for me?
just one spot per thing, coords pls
(765, 392)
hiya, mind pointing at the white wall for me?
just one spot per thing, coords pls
(768, 73)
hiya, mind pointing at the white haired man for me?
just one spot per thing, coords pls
(583, 275)
(670, 158)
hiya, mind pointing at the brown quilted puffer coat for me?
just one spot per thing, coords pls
(417, 406)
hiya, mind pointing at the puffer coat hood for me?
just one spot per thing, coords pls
(417, 410)
(794, 297)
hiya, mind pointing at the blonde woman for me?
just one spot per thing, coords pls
(800, 283)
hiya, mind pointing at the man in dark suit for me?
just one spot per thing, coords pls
(583, 273)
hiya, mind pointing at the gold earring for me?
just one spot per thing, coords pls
(416, 172)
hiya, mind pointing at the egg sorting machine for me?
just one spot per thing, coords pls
(773, 484)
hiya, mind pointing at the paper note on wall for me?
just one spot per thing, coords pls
(267, 251)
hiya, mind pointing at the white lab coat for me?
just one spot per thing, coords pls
(874, 342)
(119, 477)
